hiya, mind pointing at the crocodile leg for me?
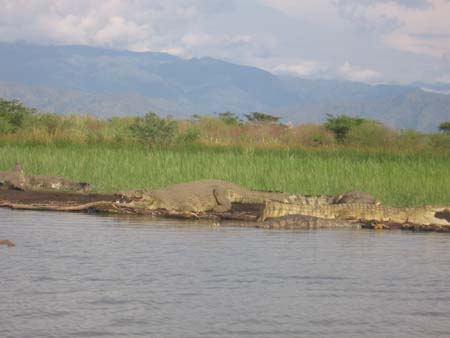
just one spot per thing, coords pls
(223, 200)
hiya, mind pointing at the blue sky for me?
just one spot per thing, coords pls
(373, 41)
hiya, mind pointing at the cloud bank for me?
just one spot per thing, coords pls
(360, 40)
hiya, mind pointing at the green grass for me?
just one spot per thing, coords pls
(403, 180)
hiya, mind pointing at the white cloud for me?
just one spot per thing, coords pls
(421, 26)
(320, 10)
(172, 26)
(136, 25)
(202, 39)
(356, 73)
(178, 51)
(305, 68)
(308, 38)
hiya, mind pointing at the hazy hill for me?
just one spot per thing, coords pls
(109, 82)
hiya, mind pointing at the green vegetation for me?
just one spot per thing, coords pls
(445, 127)
(395, 179)
(341, 125)
(12, 116)
(404, 168)
(229, 118)
(155, 131)
(261, 117)
(19, 124)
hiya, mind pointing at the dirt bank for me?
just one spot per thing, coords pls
(8, 197)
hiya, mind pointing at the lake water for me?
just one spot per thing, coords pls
(76, 275)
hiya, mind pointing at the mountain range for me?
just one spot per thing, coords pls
(106, 83)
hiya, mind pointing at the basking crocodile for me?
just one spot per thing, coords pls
(7, 242)
(291, 222)
(55, 183)
(16, 179)
(13, 179)
(355, 197)
(436, 217)
(198, 196)
(218, 196)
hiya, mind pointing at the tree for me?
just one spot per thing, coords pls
(341, 125)
(12, 115)
(445, 127)
(261, 117)
(229, 118)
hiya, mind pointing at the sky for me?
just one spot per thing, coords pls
(373, 41)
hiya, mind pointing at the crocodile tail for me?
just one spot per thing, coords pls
(274, 209)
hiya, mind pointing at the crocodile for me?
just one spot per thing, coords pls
(355, 197)
(7, 242)
(218, 196)
(436, 217)
(55, 183)
(198, 197)
(291, 222)
(13, 179)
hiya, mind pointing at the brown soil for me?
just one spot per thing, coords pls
(50, 197)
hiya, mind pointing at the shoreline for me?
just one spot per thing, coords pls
(241, 215)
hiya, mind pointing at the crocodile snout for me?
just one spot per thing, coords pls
(444, 214)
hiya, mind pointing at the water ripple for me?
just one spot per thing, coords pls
(76, 275)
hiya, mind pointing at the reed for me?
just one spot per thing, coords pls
(396, 179)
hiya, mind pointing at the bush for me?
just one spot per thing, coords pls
(154, 130)
(214, 130)
(312, 135)
(264, 134)
(5, 126)
(445, 127)
(12, 115)
(50, 122)
(229, 118)
(191, 135)
(412, 140)
(440, 142)
(261, 117)
(341, 125)
(371, 134)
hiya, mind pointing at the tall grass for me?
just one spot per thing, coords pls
(402, 180)
(154, 131)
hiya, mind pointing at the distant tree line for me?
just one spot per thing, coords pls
(19, 123)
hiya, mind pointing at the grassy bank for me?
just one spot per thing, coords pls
(403, 180)
(20, 124)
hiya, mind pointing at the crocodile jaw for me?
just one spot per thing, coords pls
(431, 216)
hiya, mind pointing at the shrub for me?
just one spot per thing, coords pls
(341, 125)
(371, 134)
(215, 130)
(445, 127)
(12, 115)
(229, 118)
(312, 135)
(191, 135)
(440, 142)
(154, 130)
(412, 140)
(261, 117)
(261, 133)
(50, 122)
(5, 126)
